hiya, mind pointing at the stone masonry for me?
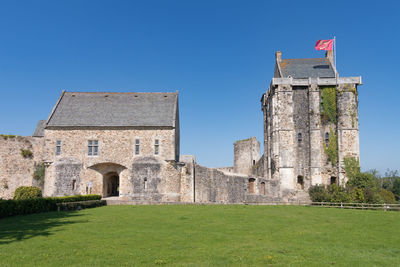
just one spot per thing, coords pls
(295, 137)
(127, 145)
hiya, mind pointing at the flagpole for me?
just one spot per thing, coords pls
(337, 130)
(334, 54)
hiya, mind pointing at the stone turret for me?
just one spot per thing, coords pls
(246, 155)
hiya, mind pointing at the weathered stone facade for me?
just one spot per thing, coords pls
(246, 154)
(296, 134)
(127, 145)
(15, 169)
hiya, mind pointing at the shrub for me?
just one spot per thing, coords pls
(362, 180)
(387, 196)
(396, 189)
(339, 194)
(318, 193)
(351, 167)
(75, 198)
(81, 205)
(26, 153)
(357, 195)
(27, 192)
(13, 207)
(6, 136)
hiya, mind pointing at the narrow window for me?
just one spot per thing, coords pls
(300, 181)
(262, 188)
(299, 138)
(93, 147)
(326, 139)
(251, 185)
(145, 183)
(156, 146)
(333, 180)
(322, 105)
(137, 147)
(74, 185)
(58, 148)
(254, 162)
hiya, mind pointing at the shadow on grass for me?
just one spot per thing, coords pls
(20, 228)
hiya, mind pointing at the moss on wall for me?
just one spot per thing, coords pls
(332, 149)
(39, 173)
(328, 105)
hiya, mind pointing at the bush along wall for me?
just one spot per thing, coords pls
(27, 192)
(361, 187)
(14, 207)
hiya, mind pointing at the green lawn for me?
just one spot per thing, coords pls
(194, 235)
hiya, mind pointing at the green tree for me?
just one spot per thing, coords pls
(396, 188)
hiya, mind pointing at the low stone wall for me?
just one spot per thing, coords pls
(213, 185)
(15, 169)
(226, 169)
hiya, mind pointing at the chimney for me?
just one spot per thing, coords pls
(278, 56)
(329, 55)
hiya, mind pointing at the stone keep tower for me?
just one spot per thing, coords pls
(246, 155)
(310, 123)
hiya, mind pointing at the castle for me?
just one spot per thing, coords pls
(125, 146)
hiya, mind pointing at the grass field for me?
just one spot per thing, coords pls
(194, 235)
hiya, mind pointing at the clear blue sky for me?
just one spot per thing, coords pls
(218, 54)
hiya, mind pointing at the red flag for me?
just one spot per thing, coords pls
(324, 44)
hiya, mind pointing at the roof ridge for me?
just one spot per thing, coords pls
(304, 58)
(175, 93)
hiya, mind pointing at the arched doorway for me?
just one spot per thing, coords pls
(110, 180)
(251, 185)
(111, 184)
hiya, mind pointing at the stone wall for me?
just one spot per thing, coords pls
(116, 150)
(15, 170)
(246, 154)
(291, 158)
(258, 169)
(348, 131)
(301, 122)
(154, 180)
(213, 185)
(187, 174)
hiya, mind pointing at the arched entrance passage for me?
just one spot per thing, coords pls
(111, 184)
(111, 178)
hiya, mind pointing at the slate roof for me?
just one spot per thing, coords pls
(76, 109)
(307, 67)
(39, 131)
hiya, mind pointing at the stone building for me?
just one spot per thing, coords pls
(310, 123)
(126, 145)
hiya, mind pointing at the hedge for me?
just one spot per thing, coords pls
(26, 192)
(13, 207)
(75, 198)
